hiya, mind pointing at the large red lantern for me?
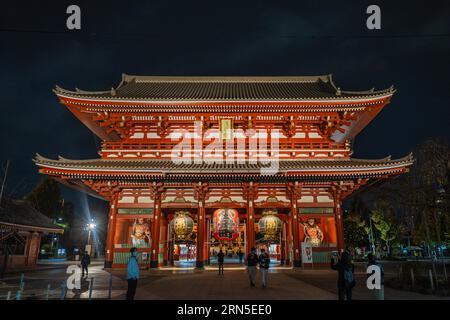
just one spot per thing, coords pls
(226, 224)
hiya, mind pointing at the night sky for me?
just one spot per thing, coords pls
(411, 52)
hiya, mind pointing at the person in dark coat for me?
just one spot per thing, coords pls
(346, 280)
(252, 261)
(220, 258)
(264, 263)
(85, 262)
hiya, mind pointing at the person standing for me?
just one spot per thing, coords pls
(132, 274)
(264, 262)
(85, 262)
(252, 261)
(220, 258)
(377, 293)
(346, 280)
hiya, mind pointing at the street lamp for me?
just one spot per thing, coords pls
(90, 227)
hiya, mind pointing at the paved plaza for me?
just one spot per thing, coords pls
(191, 284)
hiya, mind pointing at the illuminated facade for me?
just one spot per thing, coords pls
(308, 125)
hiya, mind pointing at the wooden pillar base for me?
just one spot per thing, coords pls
(199, 265)
(108, 264)
(297, 264)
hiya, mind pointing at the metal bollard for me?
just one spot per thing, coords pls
(110, 286)
(63, 290)
(8, 296)
(430, 273)
(91, 285)
(412, 277)
(445, 270)
(48, 292)
(436, 279)
(22, 283)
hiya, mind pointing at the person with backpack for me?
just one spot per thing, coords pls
(85, 262)
(252, 261)
(220, 258)
(264, 262)
(377, 293)
(346, 280)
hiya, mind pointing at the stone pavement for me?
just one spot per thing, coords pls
(37, 280)
(289, 284)
(327, 280)
(191, 284)
(233, 285)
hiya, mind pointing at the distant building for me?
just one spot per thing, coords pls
(21, 229)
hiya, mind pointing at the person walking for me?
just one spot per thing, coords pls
(264, 262)
(220, 258)
(85, 262)
(132, 274)
(346, 280)
(378, 294)
(252, 261)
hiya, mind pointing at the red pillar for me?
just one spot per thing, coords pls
(339, 222)
(250, 232)
(250, 190)
(288, 241)
(283, 243)
(295, 233)
(200, 234)
(109, 254)
(206, 242)
(156, 230)
(164, 241)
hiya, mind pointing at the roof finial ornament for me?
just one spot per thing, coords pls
(338, 91)
(113, 91)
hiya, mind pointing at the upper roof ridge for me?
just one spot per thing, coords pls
(137, 78)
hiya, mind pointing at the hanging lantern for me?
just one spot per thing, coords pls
(182, 225)
(270, 225)
(226, 224)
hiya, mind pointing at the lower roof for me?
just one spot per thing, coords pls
(96, 168)
(21, 214)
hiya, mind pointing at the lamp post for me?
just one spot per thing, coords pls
(371, 239)
(90, 228)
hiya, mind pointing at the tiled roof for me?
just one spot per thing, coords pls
(167, 166)
(20, 212)
(160, 88)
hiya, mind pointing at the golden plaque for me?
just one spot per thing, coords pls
(226, 129)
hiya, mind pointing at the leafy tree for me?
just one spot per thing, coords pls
(387, 228)
(355, 233)
(418, 202)
(46, 198)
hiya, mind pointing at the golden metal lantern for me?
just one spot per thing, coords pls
(270, 225)
(182, 225)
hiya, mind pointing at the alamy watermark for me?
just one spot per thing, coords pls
(74, 280)
(227, 146)
(374, 277)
